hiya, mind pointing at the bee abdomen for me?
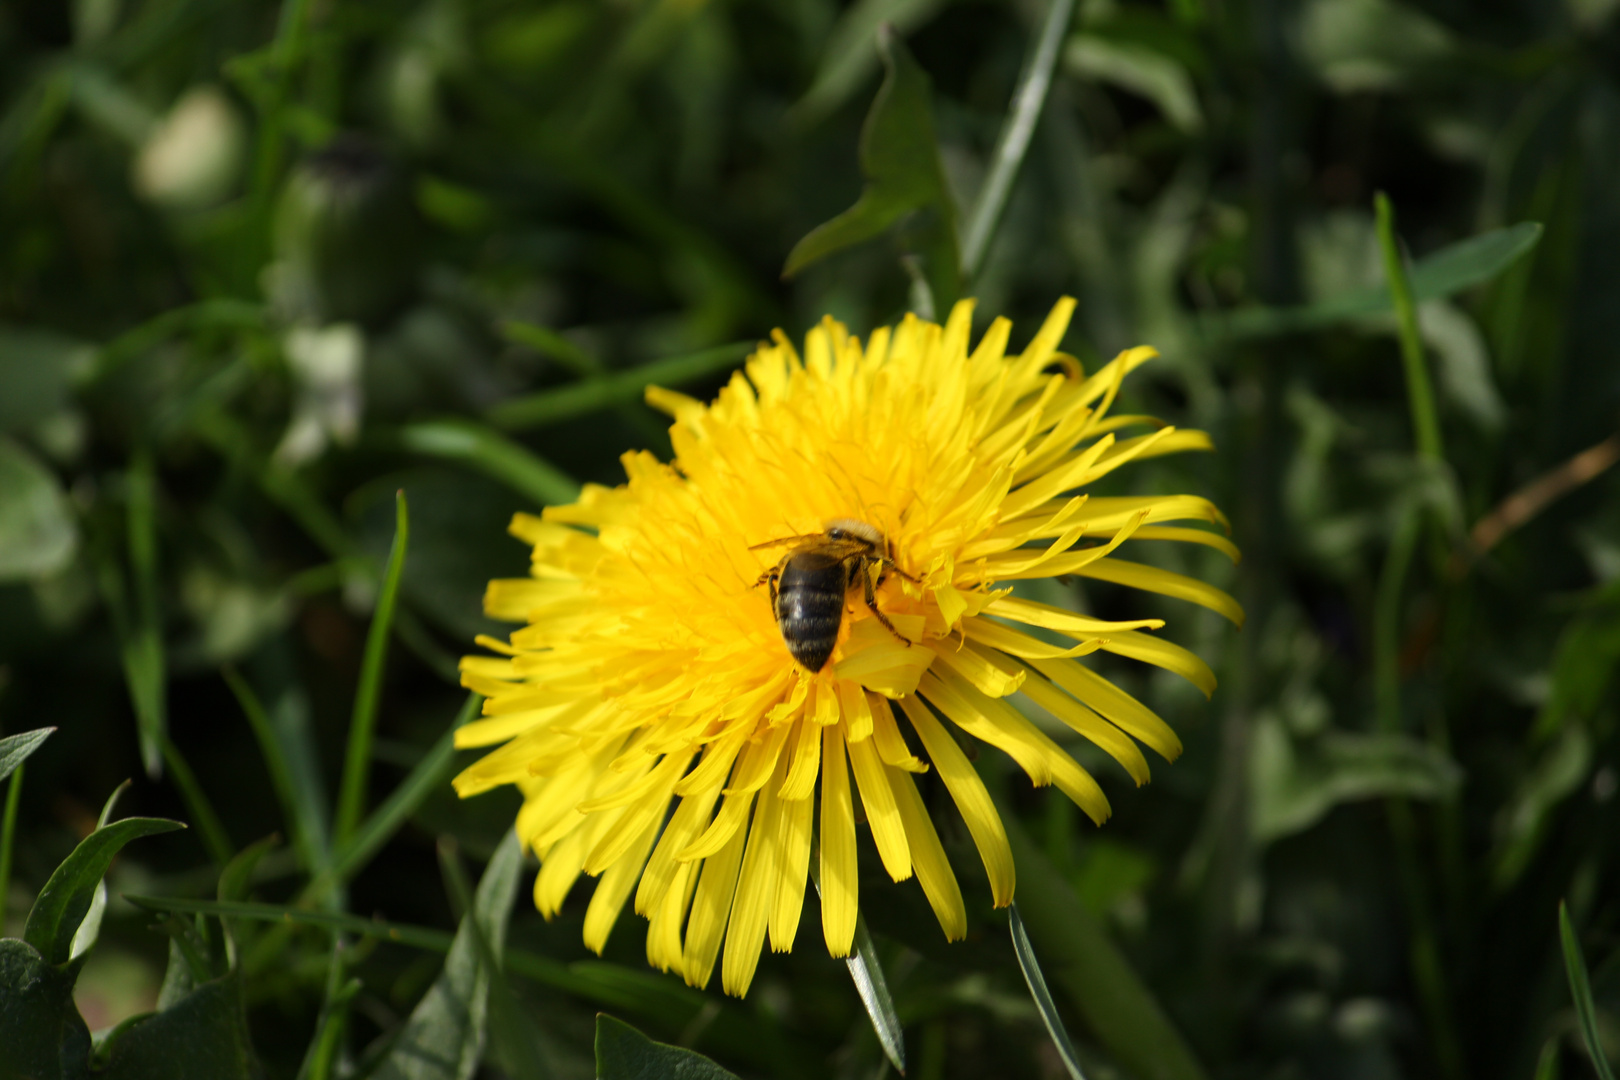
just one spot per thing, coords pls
(809, 618)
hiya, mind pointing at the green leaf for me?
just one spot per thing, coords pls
(62, 904)
(14, 749)
(867, 972)
(444, 1037)
(1042, 997)
(1293, 787)
(1116, 1005)
(851, 53)
(38, 533)
(900, 161)
(1580, 988)
(623, 1053)
(1448, 271)
(203, 1037)
(42, 1035)
(145, 667)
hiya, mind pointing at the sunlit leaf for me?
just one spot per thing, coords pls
(900, 161)
(623, 1053)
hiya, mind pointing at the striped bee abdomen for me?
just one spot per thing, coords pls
(810, 606)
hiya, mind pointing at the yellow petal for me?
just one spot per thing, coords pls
(665, 921)
(891, 745)
(1114, 703)
(1191, 536)
(797, 819)
(882, 816)
(968, 792)
(686, 822)
(1005, 639)
(611, 891)
(801, 778)
(1165, 654)
(710, 907)
(1115, 742)
(989, 676)
(928, 857)
(857, 713)
(756, 891)
(1065, 622)
(1166, 582)
(840, 884)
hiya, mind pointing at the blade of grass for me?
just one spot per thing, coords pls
(1041, 995)
(362, 723)
(210, 829)
(426, 777)
(490, 452)
(321, 1058)
(1013, 142)
(1580, 988)
(1116, 1005)
(1419, 390)
(8, 832)
(549, 406)
(301, 815)
(867, 972)
(143, 647)
(547, 342)
(420, 937)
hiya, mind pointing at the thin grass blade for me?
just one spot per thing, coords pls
(549, 406)
(1041, 995)
(363, 722)
(1013, 142)
(874, 990)
(488, 451)
(1580, 988)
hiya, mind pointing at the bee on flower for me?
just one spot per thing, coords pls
(720, 655)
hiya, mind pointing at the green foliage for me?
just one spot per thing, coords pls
(623, 1053)
(264, 266)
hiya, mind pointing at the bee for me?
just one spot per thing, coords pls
(809, 584)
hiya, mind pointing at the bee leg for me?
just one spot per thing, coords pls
(885, 565)
(871, 602)
(770, 577)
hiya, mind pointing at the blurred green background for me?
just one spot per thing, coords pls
(263, 265)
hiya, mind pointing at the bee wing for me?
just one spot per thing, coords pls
(804, 539)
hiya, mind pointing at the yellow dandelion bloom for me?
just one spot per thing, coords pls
(652, 671)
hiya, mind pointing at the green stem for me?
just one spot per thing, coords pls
(356, 765)
(8, 830)
(1419, 392)
(549, 406)
(143, 650)
(1013, 142)
(210, 828)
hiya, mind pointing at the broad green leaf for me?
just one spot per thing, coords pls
(1580, 989)
(444, 1037)
(62, 904)
(202, 1037)
(1042, 997)
(623, 1053)
(38, 532)
(1446, 272)
(1084, 962)
(900, 161)
(1293, 787)
(42, 1035)
(14, 749)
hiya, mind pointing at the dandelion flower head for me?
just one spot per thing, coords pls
(666, 742)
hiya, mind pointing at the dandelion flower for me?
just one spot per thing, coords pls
(651, 673)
